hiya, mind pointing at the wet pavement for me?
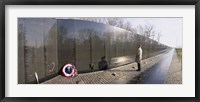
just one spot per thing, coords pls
(156, 74)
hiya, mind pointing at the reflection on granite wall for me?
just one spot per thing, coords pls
(47, 44)
(37, 46)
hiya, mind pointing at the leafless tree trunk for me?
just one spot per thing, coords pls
(121, 23)
(113, 21)
(158, 38)
(127, 26)
(149, 29)
(140, 30)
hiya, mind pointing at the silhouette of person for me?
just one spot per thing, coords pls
(103, 64)
(138, 57)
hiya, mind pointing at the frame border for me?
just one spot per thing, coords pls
(3, 3)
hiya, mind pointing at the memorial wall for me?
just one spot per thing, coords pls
(45, 45)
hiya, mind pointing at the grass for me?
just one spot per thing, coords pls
(179, 52)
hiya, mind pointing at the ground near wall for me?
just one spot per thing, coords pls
(126, 74)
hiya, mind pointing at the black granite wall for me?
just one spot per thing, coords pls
(47, 44)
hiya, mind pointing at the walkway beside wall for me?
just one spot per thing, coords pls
(157, 74)
(119, 75)
(175, 71)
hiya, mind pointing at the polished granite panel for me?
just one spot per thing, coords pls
(45, 45)
(50, 47)
(66, 43)
(21, 62)
(38, 47)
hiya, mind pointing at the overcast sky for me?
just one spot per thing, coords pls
(170, 28)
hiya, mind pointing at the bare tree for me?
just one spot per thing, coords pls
(120, 23)
(112, 21)
(140, 30)
(158, 36)
(146, 30)
(149, 30)
(127, 26)
(133, 30)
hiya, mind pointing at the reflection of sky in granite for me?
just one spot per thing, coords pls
(85, 29)
(36, 31)
(82, 30)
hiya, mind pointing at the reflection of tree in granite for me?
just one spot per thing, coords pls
(84, 35)
(119, 40)
(67, 43)
(92, 37)
(97, 51)
(50, 44)
(38, 47)
(28, 58)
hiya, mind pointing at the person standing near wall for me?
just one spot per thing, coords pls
(103, 64)
(138, 57)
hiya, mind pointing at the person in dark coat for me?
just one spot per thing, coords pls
(103, 64)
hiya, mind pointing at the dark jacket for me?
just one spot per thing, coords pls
(103, 65)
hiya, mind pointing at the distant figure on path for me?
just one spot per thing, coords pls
(103, 64)
(138, 57)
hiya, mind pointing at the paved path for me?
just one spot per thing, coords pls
(157, 74)
(175, 71)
